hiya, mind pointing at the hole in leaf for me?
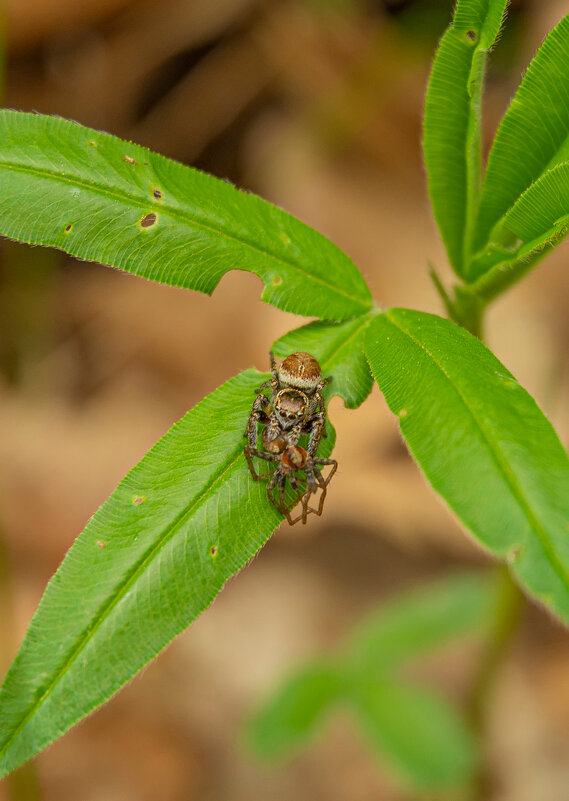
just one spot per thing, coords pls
(148, 220)
(138, 499)
(471, 35)
(68, 228)
(157, 193)
(101, 544)
(129, 159)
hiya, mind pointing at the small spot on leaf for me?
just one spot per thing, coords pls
(138, 499)
(129, 159)
(213, 550)
(402, 413)
(286, 239)
(471, 35)
(277, 281)
(148, 220)
(514, 554)
(68, 228)
(92, 143)
(157, 193)
(101, 544)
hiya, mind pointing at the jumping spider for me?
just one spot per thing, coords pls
(296, 406)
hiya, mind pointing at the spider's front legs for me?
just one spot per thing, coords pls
(259, 414)
(317, 429)
(273, 382)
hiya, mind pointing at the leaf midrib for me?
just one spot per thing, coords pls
(509, 477)
(137, 570)
(185, 218)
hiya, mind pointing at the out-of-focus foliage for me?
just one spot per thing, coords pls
(414, 730)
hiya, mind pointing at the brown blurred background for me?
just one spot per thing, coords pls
(316, 105)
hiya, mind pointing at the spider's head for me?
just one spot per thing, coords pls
(291, 406)
(300, 371)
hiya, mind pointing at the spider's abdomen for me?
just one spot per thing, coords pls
(300, 370)
(291, 405)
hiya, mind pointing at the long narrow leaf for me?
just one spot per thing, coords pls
(533, 136)
(452, 121)
(151, 559)
(543, 210)
(103, 199)
(482, 442)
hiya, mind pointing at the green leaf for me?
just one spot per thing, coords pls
(451, 140)
(340, 350)
(103, 199)
(533, 136)
(417, 732)
(482, 442)
(421, 620)
(543, 210)
(293, 713)
(153, 557)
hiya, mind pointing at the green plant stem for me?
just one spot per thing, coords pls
(508, 612)
(465, 308)
(470, 301)
(507, 616)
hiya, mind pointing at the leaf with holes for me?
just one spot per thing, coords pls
(153, 557)
(451, 140)
(532, 140)
(100, 198)
(482, 442)
(340, 350)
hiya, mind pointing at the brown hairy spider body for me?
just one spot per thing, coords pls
(296, 406)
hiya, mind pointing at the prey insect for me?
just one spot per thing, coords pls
(295, 406)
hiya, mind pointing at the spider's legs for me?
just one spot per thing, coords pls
(268, 457)
(270, 487)
(316, 426)
(320, 461)
(259, 414)
(313, 477)
(278, 483)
